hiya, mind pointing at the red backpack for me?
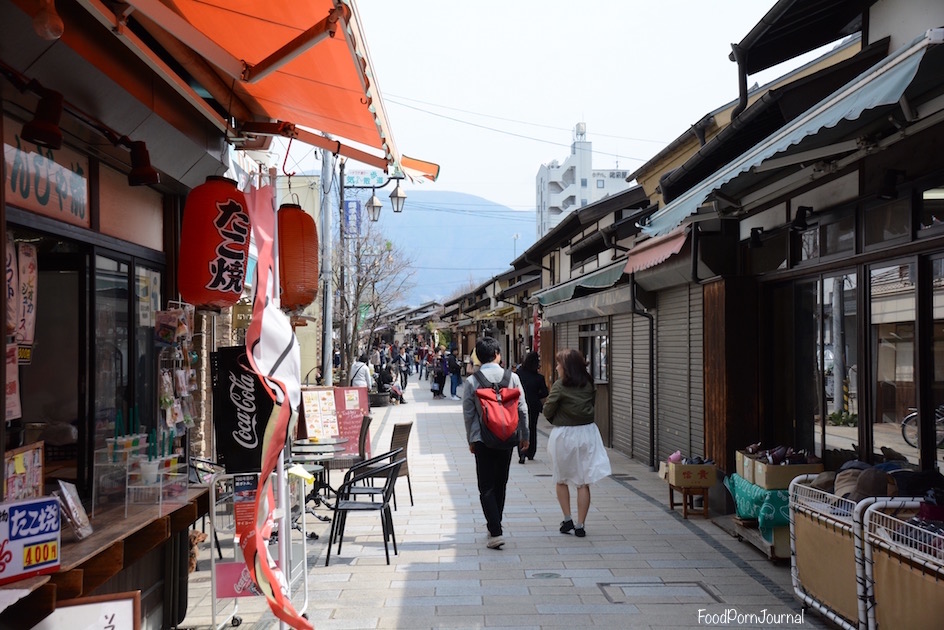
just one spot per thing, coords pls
(498, 411)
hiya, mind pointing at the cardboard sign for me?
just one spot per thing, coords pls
(29, 538)
(241, 410)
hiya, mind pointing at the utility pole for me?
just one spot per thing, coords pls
(327, 327)
(341, 280)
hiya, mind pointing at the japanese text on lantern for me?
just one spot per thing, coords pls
(226, 271)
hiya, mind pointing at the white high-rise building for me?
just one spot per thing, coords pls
(562, 188)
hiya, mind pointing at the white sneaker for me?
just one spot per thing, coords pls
(455, 398)
(495, 542)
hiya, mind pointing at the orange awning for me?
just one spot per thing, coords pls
(301, 63)
(655, 250)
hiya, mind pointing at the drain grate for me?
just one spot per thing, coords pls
(543, 475)
(623, 477)
(657, 592)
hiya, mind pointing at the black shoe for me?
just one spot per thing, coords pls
(580, 532)
(521, 459)
(566, 526)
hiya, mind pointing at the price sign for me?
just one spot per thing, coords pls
(29, 538)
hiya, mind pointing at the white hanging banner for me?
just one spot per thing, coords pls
(13, 287)
(29, 277)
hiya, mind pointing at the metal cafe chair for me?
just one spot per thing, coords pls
(344, 506)
(401, 439)
(369, 464)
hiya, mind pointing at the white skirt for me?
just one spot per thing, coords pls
(577, 455)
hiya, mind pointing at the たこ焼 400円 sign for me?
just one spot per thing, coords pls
(29, 538)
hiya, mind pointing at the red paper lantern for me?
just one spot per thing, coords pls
(214, 245)
(298, 257)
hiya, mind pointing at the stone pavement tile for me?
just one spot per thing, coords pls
(492, 601)
(545, 621)
(421, 621)
(517, 608)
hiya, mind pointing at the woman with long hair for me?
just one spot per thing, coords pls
(575, 447)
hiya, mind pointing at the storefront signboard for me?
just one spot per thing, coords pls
(50, 182)
(29, 538)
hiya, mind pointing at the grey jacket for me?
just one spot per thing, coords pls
(493, 372)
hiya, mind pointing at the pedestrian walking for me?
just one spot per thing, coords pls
(491, 464)
(402, 362)
(575, 447)
(454, 367)
(439, 374)
(535, 391)
(361, 375)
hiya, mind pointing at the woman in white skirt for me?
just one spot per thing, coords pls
(575, 448)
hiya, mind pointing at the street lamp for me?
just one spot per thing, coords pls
(374, 205)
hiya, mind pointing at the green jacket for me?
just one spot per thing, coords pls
(569, 406)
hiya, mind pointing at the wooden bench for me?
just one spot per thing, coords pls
(688, 500)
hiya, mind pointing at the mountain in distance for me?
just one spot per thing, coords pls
(455, 240)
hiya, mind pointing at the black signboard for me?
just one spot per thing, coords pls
(241, 410)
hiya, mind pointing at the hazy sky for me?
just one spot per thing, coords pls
(491, 90)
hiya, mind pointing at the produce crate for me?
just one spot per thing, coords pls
(778, 477)
(692, 475)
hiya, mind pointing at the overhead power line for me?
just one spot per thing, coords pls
(511, 133)
(520, 122)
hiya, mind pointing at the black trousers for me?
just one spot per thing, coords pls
(533, 442)
(491, 470)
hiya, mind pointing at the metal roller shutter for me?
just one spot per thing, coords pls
(679, 373)
(640, 389)
(621, 382)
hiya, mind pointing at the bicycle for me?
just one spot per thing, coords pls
(909, 427)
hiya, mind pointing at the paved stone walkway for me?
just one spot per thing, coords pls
(640, 566)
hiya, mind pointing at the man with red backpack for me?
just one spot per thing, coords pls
(496, 421)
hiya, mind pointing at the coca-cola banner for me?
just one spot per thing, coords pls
(241, 409)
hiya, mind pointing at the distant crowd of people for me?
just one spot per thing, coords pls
(388, 367)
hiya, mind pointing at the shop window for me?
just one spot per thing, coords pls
(838, 237)
(112, 344)
(892, 337)
(594, 343)
(937, 380)
(826, 365)
(888, 222)
(829, 238)
(148, 295)
(809, 244)
(932, 210)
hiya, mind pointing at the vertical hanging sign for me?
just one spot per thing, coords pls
(26, 321)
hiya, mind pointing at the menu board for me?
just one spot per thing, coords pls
(335, 412)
